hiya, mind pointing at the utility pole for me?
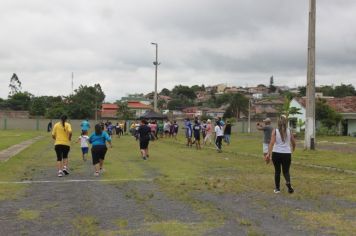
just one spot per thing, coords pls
(249, 116)
(156, 68)
(309, 142)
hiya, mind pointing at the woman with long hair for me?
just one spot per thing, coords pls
(280, 148)
(98, 140)
(62, 134)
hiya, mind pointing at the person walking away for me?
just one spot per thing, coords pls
(98, 140)
(188, 131)
(153, 127)
(175, 129)
(49, 126)
(197, 130)
(203, 129)
(267, 133)
(62, 134)
(209, 132)
(166, 128)
(227, 132)
(84, 144)
(219, 134)
(144, 132)
(160, 129)
(280, 148)
(85, 125)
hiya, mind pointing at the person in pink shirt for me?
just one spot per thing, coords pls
(153, 127)
(209, 132)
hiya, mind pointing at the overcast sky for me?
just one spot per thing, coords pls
(236, 42)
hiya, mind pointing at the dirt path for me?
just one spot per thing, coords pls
(90, 207)
(17, 148)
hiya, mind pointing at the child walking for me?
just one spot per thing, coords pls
(84, 144)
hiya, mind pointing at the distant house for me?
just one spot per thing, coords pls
(267, 107)
(108, 111)
(136, 97)
(345, 106)
(138, 107)
(214, 112)
(192, 112)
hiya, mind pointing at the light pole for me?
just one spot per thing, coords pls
(249, 116)
(309, 142)
(156, 68)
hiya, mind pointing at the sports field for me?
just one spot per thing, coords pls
(178, 191)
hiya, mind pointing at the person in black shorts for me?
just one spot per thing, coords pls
(144, 138)
(98, 139)
(196, 131)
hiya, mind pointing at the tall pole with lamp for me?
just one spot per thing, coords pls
(156, 68)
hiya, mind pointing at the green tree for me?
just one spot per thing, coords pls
(15, 85)
(38, 106)
(302, 91)
(19, 101)
(238, 104)
(344, 90)
(165, 92)
(179, 104)
(326, 115)
(85, 100)
(123, 111)
(287, 110)
(272, 88)
(181, 92)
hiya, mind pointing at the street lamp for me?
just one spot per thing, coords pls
(156, 67)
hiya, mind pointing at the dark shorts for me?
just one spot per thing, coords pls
(197, 137)
(144, 143)
(85, 150)
(98, 153)
(61, 151)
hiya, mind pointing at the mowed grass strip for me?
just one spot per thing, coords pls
(12, 137)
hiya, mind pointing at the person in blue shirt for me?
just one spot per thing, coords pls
(98, 140)
(85, 125)
(188, 131)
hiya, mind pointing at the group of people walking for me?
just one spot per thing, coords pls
(194, 131)
(278, 143)
(62, 135)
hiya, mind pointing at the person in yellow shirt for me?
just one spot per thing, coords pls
(62, 134)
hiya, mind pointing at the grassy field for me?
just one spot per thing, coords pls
(323, 202)
(11, 137)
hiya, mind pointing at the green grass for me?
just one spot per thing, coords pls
(11, 137)
(28, 215)
(181, 173)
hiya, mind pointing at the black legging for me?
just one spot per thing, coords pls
(218, 142)
(284, 160)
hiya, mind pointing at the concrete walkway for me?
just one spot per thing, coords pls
(17, 148)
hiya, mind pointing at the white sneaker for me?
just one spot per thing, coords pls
(276, 191)
(102, 170)
(65, 170)
(96, 174)
(60, 173)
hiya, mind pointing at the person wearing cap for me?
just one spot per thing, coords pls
(267, 133)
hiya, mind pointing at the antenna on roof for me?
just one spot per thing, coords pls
(72, 82)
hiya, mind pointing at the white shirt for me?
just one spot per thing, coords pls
(84, 141)
(219, 131)
(279, 145)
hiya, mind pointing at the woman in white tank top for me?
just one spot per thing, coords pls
(280, 149)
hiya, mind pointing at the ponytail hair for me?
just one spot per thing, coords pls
(282, 127)
(98, 129)
(64, 119)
